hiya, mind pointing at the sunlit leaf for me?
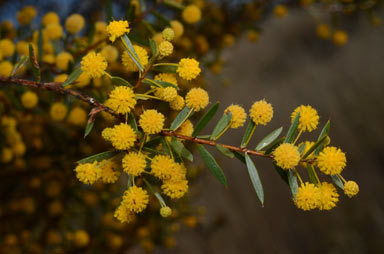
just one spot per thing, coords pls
(98, 157)
(205, 119)
(213, 166)
(225, 151)
(267, 140)
(254, 175)
(221, 125)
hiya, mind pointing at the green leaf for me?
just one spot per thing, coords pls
(132, 122)
(159, 83)
(165, 67)
(91, 34)
(131, 52)
(311, 174)
(181, 150)
(239, 156)
(162, 18)
(205, 119)
(166, 147)
(324, 132)
(153, 151)
(213, 166)
(181, 117)
(120, 82)
(156, 193)
(34, 64)
(40, 45)
(225, 151)
(174, 4)
(292, 132)
(98, 157)
(292, 180)
(248, 133)
(336, 179)
(88, 128)
(108, 11)
(72, 77)
(267, 140)
(274, 145)
(221, 125)
(283, 174)
(130, 15)
(254, 175)
(23, 59)
(301, 148)
(153, 47)
(318, 143)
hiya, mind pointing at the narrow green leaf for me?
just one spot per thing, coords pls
(23, 59)
(301, 148)
(274, 145)
(72, 77)
(248, 133)
(205, 119)
(213, 166)
(166, 147)
(130, 15)
(181, 118)
(156, 193)
(132, 122)
(120, 82)
(292, 180)
(254, 175)
(311, 174)
(225, 151)
(108, 11)
(34, 65)
(267, 140)
(221, 125)
(88, 128)
(324, 132)
(91, 34)
(165, 67)
(131, 52)
(98, 157)
(203, 136)
(40, 45)
(159, 83)
(153, 47)
(174, 4)
(181, 150)
(318, 143)
(292, 132)
(283, 174)
(336, 179)
(161, 18)
(153, 151)
(239, 156)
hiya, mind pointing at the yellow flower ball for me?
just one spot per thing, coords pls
(26, 15)
(6, 68)
(101, 29)
(50, 18)
(130, 64)
(177, 104)
(63, 59)
(228, 40)
(186, 129)
(77, 116)
(88, 173)
(122, 99)
(6, 155)
(109, 171)
(54, 31)
(49, 59)
(121, 136)
(168, 34)
(175, 189)
(110, 53)
(167, 77)
(29, 99)
(188, 68)
(74, 23)
(165, 211)
(287, 156)
(191, 14)
(94, 64)
(178, 28)
(134, 163)
(48, 48)
(158, 38)
(115, 29)
(166, 93)
(60, 78)
(253, 36)
(309, 119)
(58, 111)
(351, 188)
(136, 199)
(123, 214)
(323, 31)
(83, 80)
(307, 197)
(7, 47)
(261, 112)
(280, 11)
(151, 121)
(238, 115)
(81, 238)
(22, 48)
(340, 37)
(328, 196)
(197, 99)
(165, 48)
(331, 160)
(18, 149)
(163, 167)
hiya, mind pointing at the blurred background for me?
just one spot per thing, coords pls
(288, 66)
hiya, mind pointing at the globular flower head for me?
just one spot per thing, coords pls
(109, 172)
(77, 116)
(124, 214)
(151, 121)
(287, 156)
(122, 99)
(328, 196)
(136, 199)
(88, 173)
(29, 99)
(94, 64)
(238, 115)
(6, 68)
(62, 60)
(74, 23)
(340, 37)
(351, 188)
(166, 77)
(280, 10)
(175, 188)
(307, 197)
(115, 29)
(58, 111)
(54, 31)
(165, 48)
(188, 68)
(197, 99)
(130, 64)
(50, 18)
(168, 34)
(309, 119)
(165, 211)
(186, 129)
(134, 163)
(261, 112)
(121, 136)
(7, 47)
(163, 167)
(177, 27)
(26, 15)
(331, 161)
(191, 14)
(323, 31)
(166, 93)
(177, 103)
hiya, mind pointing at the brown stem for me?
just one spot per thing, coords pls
(143, 75)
